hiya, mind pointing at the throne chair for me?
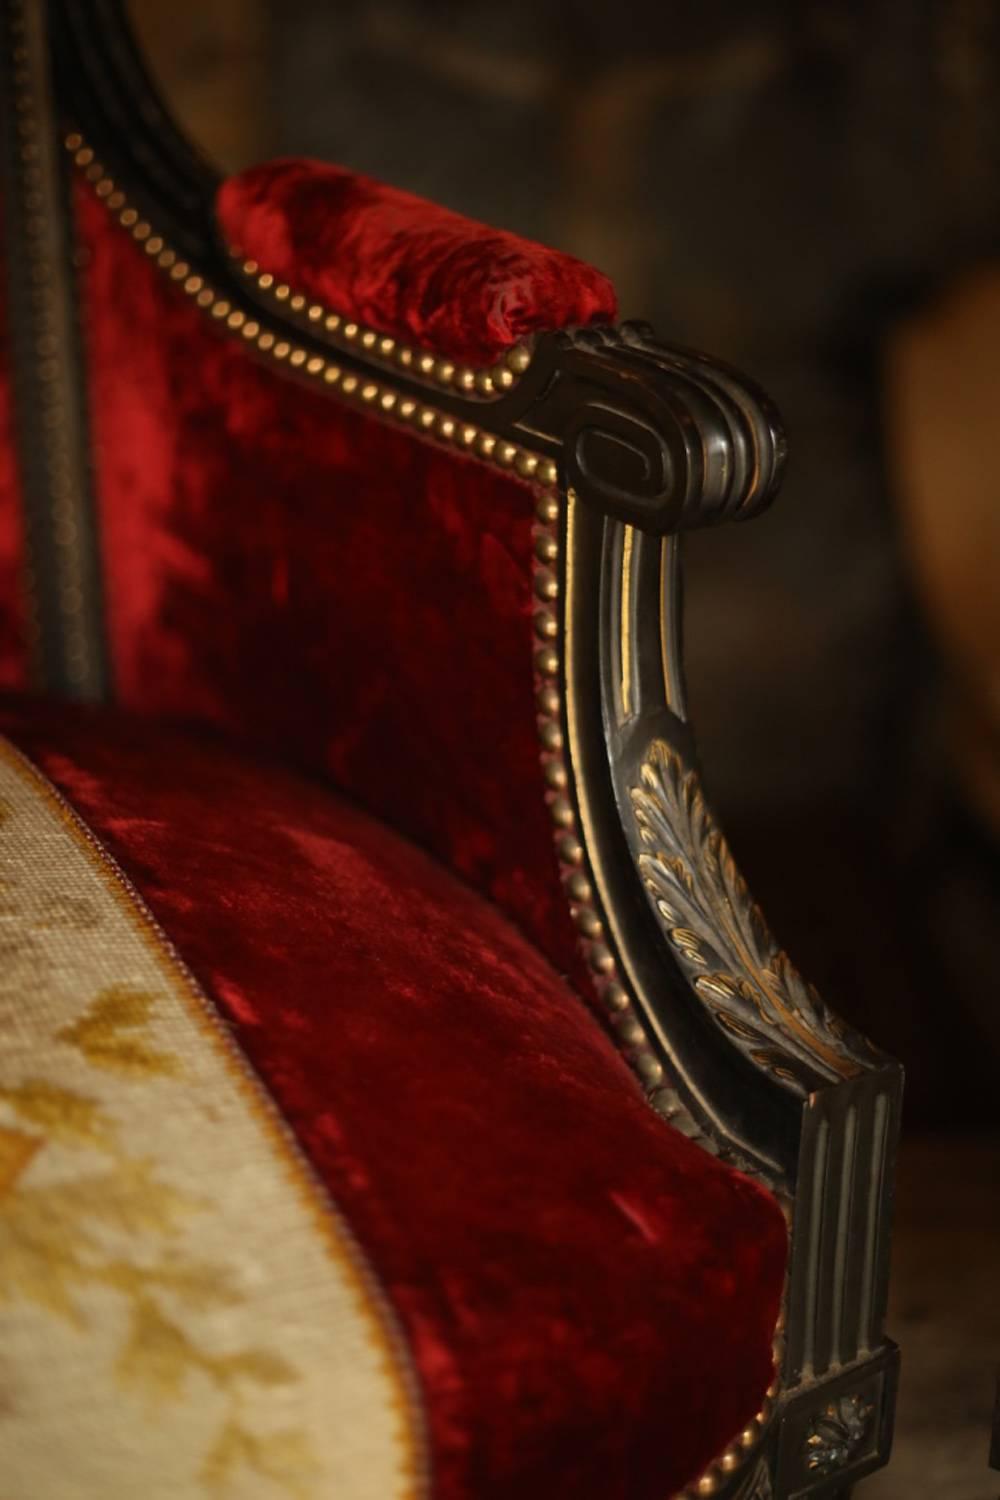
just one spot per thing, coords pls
(400, 1093)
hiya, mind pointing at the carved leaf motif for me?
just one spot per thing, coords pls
(718, 986)
(720, 936)
(777, 1062)
(688, 942)
(738, 1027)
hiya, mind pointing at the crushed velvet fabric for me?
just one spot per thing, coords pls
(404, 266)
(588, 1297)
(280, 564)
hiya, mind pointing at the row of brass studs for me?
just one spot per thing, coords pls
(374, 394)
(739, 1451)
(492, 380)
(735, 1455)
(611, 992)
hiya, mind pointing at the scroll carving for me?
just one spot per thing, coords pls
(661, 438)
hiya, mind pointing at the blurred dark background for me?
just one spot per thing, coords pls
(811, 192)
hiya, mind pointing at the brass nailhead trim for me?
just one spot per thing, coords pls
(551, 735)
(612, 993)
(499, 377)
(548, 698)
(371, 393)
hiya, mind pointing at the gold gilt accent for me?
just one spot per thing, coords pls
(623, 1018)
(383, 399)
(719, 934)
(625, 618)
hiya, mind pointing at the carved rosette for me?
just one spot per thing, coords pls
(838, 1434)
(720, 938)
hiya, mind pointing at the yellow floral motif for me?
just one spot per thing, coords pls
(16, 1151)
(51, 1249)
(280, 1456)
(105, 1212)
(108, 1034)
(74, 912)
(159, 1356)
(61, 1113)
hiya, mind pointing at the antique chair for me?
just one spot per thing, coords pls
(400, 1094)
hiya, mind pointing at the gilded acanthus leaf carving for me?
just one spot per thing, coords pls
(721, 939)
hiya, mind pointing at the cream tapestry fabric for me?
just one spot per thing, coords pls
(182, 1312)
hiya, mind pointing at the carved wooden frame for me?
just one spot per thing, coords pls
(627, 444)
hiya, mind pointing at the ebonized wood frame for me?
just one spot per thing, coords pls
(627, 444)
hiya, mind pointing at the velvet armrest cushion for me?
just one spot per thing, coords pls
(401, 265)
(380, 585)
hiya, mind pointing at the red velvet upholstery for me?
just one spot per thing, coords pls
(285, 566)
(589, 1298)
(402, 265)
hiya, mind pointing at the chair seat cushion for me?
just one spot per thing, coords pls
(332, 1185)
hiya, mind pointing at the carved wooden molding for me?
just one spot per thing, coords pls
(721, 940)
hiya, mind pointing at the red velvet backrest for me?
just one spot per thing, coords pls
(291, 569)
